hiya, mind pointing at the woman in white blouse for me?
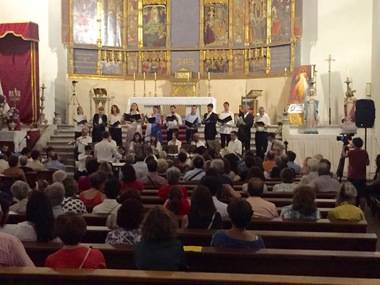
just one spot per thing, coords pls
(80, 121)
(114, 124)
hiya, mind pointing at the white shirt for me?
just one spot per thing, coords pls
(192, 117)
(141, 169)
(235, 147)
(3, 165)
(81, 163)
(177, 142)
(106, 151)
(227, 127)
(284, 187)
(114, 118)
(108, 206)
(198, 143)
(82, 142)
(77, 119)
(221, 208)
(174, 124)
(264, 118)
(24, 231)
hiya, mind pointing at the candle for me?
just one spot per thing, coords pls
(155, 76)
(368, 89)
(134, 75)
(208, 75)
(199, 75)
(144, 75)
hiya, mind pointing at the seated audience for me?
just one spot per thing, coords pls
(71, 228)
(182, 162)
(54, 163)
(197, 142)
(240, 214)
(197, 172)
(215, 187)
(39, 223)
(153, 178)
(23, 162)
(173, 176)
(162, 167)
(261, 207)
(232, 175)
(82, 160)
(287, 181)
(110, 205)
(269, 162)
(56, 193)
(325, 182)
(106, 168)
(159, 248)
(281, 162)
(303, 206)
(84, 181)
(345, 209)
(35, 162)
(140, 166)
(312, 171)
(59, 176)
(20, 191)
(235, 145)
(94, 196)
(178, 205)
(218, 165)
(130, 180)
(71, 202)
(14, 170)
(203, 214)
(291, 162)
(175, 141)
(129, 218)
(305, 167)
(3, 162)
(12, 251)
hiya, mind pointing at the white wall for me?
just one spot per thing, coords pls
(376, 62)
(47, 14)
(342, 28)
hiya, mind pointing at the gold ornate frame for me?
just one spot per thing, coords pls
(227, 52)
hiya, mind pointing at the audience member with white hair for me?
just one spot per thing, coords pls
(345, 209)
(59, 176)
(56, 193)
(312, 166)
(20, 191)
(325, 182)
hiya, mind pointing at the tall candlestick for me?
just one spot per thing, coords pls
(134, 84)
(155, 84)
(144, 84)
(199, 75)
(209, 76)
(209, 84)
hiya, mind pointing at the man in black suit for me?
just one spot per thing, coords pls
(99, 123)
(209, 120)
(245, 124)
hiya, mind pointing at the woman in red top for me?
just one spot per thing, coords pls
(130, 180)
(71, 228)
(94, 196)
(173, 174)
(178, 205)
(84, 181)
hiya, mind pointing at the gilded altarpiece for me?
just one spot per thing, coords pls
(227, 38)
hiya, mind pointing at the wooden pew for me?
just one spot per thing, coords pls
(294, 240)
(100, 220)
(279, 202)
(97, 234)
(37, 276)
(264, 261)
(268, 194)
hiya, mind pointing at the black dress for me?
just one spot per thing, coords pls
(98, 127)
(199, 222)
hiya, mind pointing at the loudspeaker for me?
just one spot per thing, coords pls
(365, 113)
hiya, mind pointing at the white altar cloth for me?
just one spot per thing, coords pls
(187, 101)
(18, 138)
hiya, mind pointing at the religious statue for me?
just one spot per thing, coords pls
(348, 122)
(311, 110)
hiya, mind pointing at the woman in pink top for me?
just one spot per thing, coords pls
(94, 196)
(12, 252)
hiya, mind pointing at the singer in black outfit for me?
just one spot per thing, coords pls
(99, 123)
(209, 120)
(245, 124)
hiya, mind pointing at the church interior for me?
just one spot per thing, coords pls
(189, 141)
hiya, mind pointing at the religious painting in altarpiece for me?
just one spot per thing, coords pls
(216, 23)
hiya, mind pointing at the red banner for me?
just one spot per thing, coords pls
(19, 66)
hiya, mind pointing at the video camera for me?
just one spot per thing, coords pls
(344, 138)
